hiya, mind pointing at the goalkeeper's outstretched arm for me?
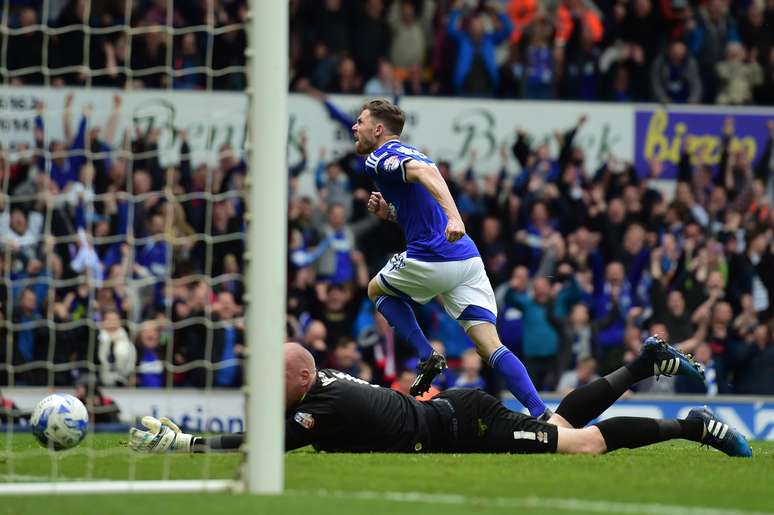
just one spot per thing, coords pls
(163, 435)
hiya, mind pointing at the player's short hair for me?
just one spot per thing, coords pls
(388, 113)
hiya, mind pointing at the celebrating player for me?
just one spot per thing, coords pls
(336, 412)
(440, 259)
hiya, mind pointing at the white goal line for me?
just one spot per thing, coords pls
(121, 487)
(511, 503)
(225, 485)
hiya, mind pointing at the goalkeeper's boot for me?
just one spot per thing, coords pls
(162, 436)
(668, 361)
(720, 435)
(426, 372)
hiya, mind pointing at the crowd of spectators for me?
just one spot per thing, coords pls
(115, 266)
(676, 51)
(126, 43)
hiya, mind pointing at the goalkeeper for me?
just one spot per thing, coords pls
(336, 412)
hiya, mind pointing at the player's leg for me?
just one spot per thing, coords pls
(401, 282)
(500, 358)
(507, 431)
(633, 432)
(612, 434)
(583, 405)
(625, 433)
(472, 303)
(395, 304)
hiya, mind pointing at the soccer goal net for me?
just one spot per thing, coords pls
(142, 236)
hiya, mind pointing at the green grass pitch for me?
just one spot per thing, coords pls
(667, 479)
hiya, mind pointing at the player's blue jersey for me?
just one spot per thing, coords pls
(419, 215)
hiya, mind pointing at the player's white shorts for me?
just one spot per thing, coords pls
(463, 286)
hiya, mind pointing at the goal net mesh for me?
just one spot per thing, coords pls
(122, 214)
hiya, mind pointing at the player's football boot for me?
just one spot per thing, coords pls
(426, 372)
(163, 435)
(668, 361)
(720, 435)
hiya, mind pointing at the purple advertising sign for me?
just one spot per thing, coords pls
(661, 134)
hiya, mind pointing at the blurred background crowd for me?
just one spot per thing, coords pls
(117, 266)
(677, 51)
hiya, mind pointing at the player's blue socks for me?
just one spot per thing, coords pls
(517, 380)
(401, 317)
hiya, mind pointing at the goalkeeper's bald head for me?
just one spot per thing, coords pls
(300, 373)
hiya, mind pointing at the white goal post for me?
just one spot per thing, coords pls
(267, 241)
(265, 257)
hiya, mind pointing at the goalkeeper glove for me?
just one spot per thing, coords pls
(163, 435)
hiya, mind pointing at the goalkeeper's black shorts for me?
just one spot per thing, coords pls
(481, 424)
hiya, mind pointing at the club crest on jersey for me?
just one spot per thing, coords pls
(397, 262)
(392, 163)
(304, 419)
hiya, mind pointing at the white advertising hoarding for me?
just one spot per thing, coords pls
(453, 129)
(211, 119)
(215, 410)
(448, 129)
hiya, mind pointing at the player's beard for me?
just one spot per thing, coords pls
(363, 147)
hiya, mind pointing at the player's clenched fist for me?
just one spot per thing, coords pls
(378, 206)
(455, 229)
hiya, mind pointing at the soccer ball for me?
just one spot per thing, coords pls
(59, 421)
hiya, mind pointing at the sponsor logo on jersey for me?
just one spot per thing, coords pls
(392, 163)
(324, 379)
(482, 428)
(304, 419)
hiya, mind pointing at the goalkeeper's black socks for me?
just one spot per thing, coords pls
(583, 405)
(633, 432)
(223, 443)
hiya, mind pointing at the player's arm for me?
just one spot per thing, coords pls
(164, 436)
(429, 177)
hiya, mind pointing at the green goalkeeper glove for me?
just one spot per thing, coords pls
(163, 435)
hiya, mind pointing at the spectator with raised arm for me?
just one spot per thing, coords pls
(541, 327)
(713, 29)
(475, 71)
(410, 31)
(737, 76)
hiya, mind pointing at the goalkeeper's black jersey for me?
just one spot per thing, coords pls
(345, 414)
